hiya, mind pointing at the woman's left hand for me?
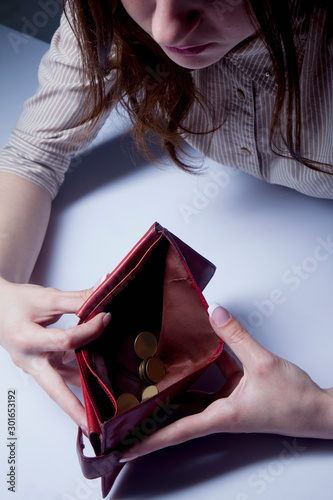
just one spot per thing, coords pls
(269, 394)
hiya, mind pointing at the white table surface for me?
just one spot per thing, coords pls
(258, 235)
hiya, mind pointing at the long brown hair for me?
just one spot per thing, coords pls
(158, 94)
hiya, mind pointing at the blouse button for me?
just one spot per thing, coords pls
(240, 94)
(245, 151)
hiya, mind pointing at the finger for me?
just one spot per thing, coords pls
(235, 336)
(69, 302)
(54, 385)
(57, 339)
(178, 432)
(68, 357)
(70, 374)
(99, 282)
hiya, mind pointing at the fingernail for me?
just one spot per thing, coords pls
(127, 459)
(99, 282)
(106, 319)
(219, 315)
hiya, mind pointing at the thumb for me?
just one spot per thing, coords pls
(234, 335)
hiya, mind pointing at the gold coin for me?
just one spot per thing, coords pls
(126, 401)
(145, 345)
(142, 372)
(149, 392)
(154, 370)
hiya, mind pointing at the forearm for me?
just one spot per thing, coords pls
(24, 215)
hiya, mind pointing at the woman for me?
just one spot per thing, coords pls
(247, 83)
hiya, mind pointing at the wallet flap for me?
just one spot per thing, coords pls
(202, 269)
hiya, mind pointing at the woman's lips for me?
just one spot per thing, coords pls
(187, 50)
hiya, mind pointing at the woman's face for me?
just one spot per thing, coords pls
(193, 33)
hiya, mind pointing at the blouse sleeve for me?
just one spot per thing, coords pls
(48, 132)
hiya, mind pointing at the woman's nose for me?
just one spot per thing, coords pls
(173, 21)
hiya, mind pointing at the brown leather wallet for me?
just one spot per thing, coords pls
(156, 288)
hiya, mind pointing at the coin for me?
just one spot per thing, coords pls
(154, 370)
(142, 372)
(145, 345)
(149, 392)
(126, 401)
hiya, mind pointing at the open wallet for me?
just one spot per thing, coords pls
(157, 344)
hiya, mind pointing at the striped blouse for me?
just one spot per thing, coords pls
(240, 87)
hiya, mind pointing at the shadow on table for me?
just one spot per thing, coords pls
(101, 165)
(190, 464)
(89, 171)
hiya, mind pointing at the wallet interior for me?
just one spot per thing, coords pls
(156, 296)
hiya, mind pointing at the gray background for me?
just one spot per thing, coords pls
(38, 18)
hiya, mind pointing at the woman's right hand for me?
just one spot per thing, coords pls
(25, 312)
